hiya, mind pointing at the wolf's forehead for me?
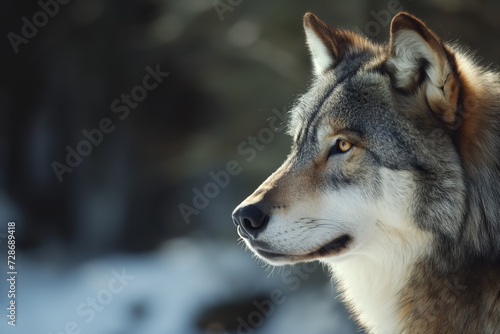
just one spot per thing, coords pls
(356, 102)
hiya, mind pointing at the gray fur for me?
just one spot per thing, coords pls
(456, 199)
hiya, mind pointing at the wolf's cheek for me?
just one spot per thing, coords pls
(356, 168)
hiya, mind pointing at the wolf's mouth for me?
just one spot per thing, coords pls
(334, 247)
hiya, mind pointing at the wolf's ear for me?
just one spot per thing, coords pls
(418, 57)
(327, 44)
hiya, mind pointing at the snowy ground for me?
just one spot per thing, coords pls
(166, 293)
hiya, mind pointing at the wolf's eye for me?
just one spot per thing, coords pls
(341, 146)
(344, 145)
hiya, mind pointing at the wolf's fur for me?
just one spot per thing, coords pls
(413, 207)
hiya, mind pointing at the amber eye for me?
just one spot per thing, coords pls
(341, 146)
(344, 145)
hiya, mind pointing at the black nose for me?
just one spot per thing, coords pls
(251, 220)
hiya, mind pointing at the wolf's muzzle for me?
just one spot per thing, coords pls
(250, 221)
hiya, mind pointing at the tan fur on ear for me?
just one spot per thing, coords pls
(418, 57)
(455, 88)
(334, 41)
(328, 45)
(405, 21)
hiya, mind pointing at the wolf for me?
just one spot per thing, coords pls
(393, 181)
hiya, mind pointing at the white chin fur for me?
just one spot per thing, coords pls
(374, 273)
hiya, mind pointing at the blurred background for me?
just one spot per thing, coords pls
(119, 122)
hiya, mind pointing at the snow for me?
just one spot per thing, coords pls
(165, 291)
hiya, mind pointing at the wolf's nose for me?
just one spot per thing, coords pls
(251, 220)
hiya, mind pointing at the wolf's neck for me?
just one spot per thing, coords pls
(477, 137)
(373, 280)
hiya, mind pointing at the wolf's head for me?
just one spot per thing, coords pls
(378, 143)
